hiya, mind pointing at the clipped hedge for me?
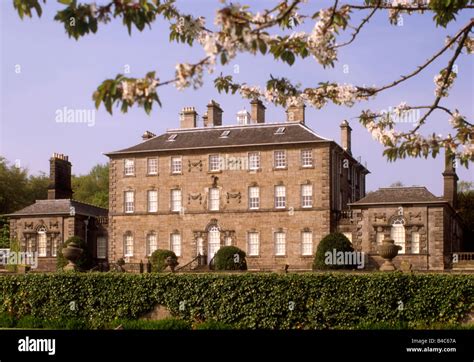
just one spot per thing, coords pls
(273, 301)
(230, 258)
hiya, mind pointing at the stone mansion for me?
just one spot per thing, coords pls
(272, 189)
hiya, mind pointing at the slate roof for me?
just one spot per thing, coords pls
(398, 195)
(60, 207)
(239, 136)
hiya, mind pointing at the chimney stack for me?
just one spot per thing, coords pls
(59, 177)
(214, 115)
(147, 135)
(450, 179)
(295, 113)
(257, 112)
(346, 136)
(188, 117)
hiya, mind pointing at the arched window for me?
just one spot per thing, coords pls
(151, 243)
(397, 233)
(128, 244)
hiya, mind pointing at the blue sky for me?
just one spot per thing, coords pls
(59, 72)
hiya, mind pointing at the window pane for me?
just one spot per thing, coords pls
(176, 244)
(306, 195)
(129, 201)
(254, 197)
(280, 197)
(176, 200)
(214, 199)
(280, 159)
(307, 243)
(397, 233)
(214, 163)
(152, 166)
(306, 158)
(152, 243)
(280, 243)
(254, 243)
(200, 246)
(128, 245)
(101, 247)
(42, 244)
(152, 201)
(254, 161)
(176, 165)
(129, 167)
(415, 242)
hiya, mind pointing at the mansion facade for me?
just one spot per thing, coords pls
(272, 190)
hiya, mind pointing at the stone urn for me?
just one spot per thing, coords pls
(172, 263)
(388, 250)
(72, 253)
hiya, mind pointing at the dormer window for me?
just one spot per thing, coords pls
(172, 137)
(225, 134)
(280, 130)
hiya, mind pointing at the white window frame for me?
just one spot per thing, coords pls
(397, 233)
(176, 165)
(42, 243)
(152, 202)
(254, 197)
(254, 161)
(307, 243)
(129, 167)
(253, 243)
(280, 243)
(175, 243)
(129, 203)
(307, 158)
(152, 166)
(415, 242)
(176, 200)
(214, 199)
(307, 196)
(280, 197)
(151, 243)
(279, 159)
(101, 247)
(128, 245)
(54, 246)
(214, 163)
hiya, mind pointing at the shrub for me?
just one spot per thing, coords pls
(247, 300)
(230, 258)
(29, 321)
(14, 246)
(84, 262)
(213, 325)
(158, 259)
(331, 242)
(7, 321)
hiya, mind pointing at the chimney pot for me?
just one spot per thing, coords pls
(147, 135)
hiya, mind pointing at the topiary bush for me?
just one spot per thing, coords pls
(158, 259)
(334, 241)
(84, 262)
(230, 258)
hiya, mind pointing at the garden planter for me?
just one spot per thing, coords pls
(388, 250)
(72, 254)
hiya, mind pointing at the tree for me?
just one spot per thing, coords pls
(93, 188)
(397, 184)
(276, 32)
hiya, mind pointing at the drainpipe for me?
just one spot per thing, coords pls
(87, 223)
